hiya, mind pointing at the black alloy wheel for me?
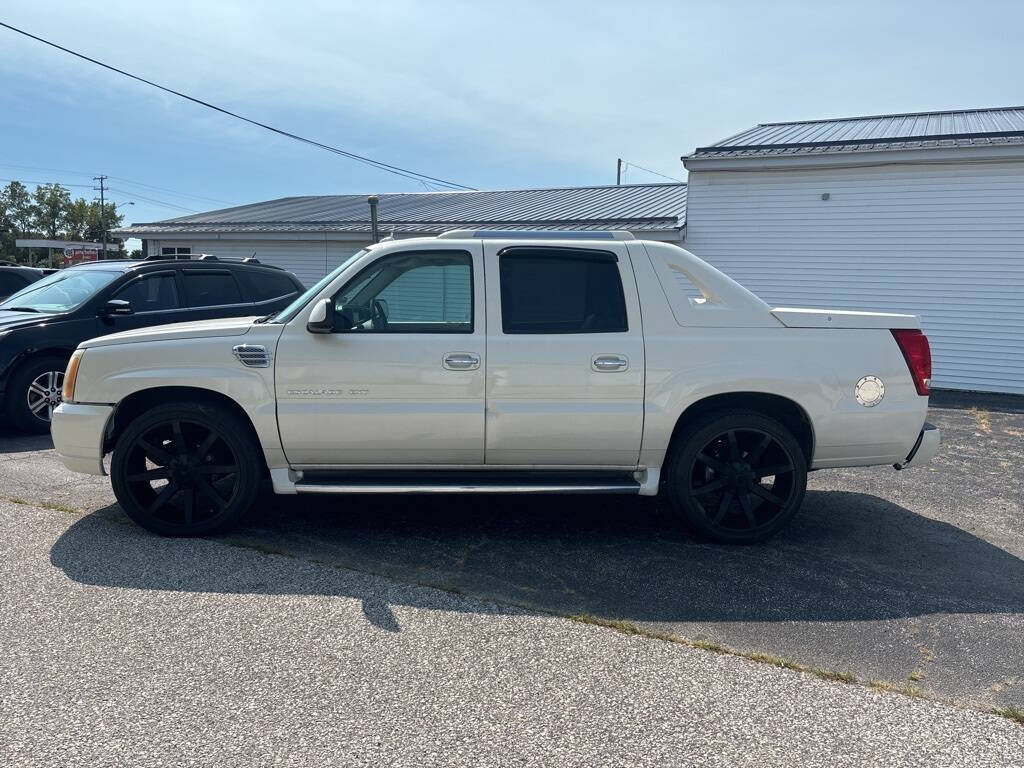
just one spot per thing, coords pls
(186, 470)
(738, 477)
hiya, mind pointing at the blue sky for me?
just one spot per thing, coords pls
(488, 94)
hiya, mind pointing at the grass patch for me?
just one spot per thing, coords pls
(832, 674)
(624, 627)
(628, 628)
(1010, 713)
(907, 690)
(43, 505)
(983, 419)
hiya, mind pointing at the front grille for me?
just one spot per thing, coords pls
(252, 355)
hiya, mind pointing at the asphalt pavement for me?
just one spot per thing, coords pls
(387, 631)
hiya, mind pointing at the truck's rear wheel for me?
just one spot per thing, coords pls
(186, 469)
(737, 477)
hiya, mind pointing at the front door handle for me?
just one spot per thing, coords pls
(461, 361)
(605, 363)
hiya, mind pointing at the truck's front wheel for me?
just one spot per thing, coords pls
(186, 469)
(737, 477)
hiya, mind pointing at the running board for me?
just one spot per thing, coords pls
(466, 482)
(468, 487)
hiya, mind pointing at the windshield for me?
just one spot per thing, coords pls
(292, 309)
(60, 292)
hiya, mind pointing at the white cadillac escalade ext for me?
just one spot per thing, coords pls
(545, 362)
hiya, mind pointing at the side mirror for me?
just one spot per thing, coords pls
(321, 319)
(117, 307)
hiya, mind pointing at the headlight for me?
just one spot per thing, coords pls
(70, 376)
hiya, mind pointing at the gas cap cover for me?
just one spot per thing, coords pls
(869, 391)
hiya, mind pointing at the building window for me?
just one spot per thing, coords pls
(176, 251)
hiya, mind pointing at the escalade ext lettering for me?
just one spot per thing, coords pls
(503, 362)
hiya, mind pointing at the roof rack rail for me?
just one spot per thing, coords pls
(537, 234)
(208, 257)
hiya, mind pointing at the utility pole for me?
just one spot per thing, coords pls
(618, 172)
(103, 213)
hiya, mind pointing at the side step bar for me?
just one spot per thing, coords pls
(469, 486)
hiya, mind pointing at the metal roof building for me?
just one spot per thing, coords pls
(877, 133)
(920, 212)
(311, 235)
(656, 208)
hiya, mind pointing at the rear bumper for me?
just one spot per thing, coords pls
(925, 448)
(77, 430)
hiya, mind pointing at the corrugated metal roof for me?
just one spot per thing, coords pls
(918, 130)
(640, 207)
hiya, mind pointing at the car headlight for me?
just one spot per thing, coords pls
(70, 376)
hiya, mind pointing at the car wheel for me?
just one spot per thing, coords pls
(186, 469)
(737, 477)
(34, 391)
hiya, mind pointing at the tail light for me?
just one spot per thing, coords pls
(918, 354)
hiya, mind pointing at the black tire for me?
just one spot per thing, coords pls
(186, 469)
(28, 406)
(736, 477)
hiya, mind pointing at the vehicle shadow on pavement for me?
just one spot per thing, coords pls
(847, 556)
(12, 441)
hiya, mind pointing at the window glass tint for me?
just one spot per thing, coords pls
(151, 294)
(207, 289)
(11, 283)
(552, 291)
(429, 292)
(62, 291)
(262, 286)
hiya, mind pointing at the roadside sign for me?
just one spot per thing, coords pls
(78, 255)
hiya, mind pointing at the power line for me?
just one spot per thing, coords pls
(137, 196)
(45, 183)
(398, 171)
(108, 189)
(117, 178)
(640, 167)
(170, 191)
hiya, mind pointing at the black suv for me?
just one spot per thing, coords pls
(41, 324)
(14, 277)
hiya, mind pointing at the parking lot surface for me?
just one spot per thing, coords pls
(316, 628)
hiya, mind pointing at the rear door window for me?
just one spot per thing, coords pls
(210, 288)
(151, 293)
(561, 290)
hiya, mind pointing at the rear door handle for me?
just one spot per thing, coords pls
(607, 363)
(461, 361)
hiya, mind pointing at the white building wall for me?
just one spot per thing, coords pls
(308, 259)
(944, 241)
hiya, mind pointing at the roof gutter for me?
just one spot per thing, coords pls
(861, 158)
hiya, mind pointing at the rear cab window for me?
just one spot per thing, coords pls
(561, 290)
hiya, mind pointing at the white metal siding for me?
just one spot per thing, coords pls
(308, 259)
(944, 241)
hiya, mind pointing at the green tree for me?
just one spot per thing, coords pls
(51, 204)
(77, 219)
(16, 217)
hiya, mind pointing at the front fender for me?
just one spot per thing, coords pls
(109, 374)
